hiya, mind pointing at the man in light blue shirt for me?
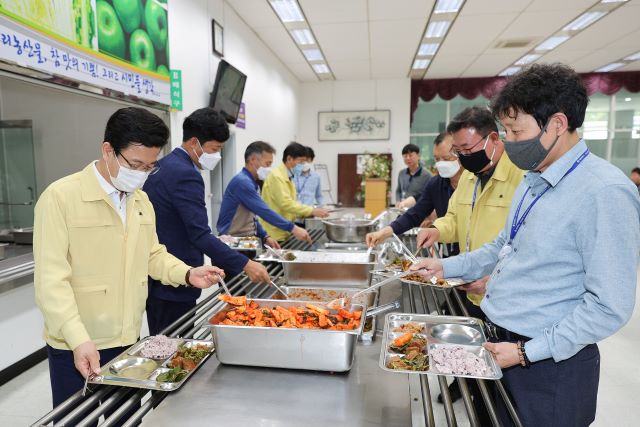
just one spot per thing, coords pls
(308, 186)
(563, 270)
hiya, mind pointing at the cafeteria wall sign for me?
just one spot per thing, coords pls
(114, 44)
(242, 120)
(353, 125)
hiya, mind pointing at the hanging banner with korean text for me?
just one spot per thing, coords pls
(114, 44)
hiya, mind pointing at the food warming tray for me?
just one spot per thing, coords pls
(328, 269)
(291, 348)
(440, 332)
(131, 369)
(368, 300)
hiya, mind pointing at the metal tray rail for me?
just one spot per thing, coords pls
(417, 299)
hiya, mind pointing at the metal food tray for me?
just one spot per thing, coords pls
(368, 300)
(440, 331)
(290, 348)
(452, 282)
(111, 373)
(328, 269)
(236, 245)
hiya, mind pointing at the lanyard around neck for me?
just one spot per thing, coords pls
(518, 222)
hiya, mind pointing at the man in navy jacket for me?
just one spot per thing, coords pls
(177, 194)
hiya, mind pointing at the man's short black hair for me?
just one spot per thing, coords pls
(135, 126)
(311, 154)
(257, 147)
(439, 138)
(410, 148)
(476, 117)
(542, 90)
(206, 124)
(294, 150)
(635, 170)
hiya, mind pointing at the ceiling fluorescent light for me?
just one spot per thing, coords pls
(448, 6)
(320, 68)
(527, 59)
(584, 20)
(428, 49)
(552, 42)
(509, 71)
(420, 64)
(613, 1)
(303, 37)
(610, 67)
(437, 29)
(312, 54)
(287, 10)
(634, 57)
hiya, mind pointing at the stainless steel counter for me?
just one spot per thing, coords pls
(16, 269)
(243, 396)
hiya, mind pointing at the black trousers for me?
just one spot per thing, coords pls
(67, 380)
(161, 313)
(554, 394)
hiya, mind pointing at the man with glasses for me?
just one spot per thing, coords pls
(177, 194)
(434, 197)
(94, 244)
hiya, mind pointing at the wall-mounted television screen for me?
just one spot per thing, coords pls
(227, 91)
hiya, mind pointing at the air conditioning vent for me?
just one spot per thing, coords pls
(513, 43)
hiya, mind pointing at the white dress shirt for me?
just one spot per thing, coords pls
(118, 197)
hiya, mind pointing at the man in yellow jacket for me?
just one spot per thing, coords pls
(479, 207)
(279, 191)
(94, 245)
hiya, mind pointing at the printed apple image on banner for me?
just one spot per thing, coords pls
(135, 31)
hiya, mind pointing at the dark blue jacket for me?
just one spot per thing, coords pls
(177, 194)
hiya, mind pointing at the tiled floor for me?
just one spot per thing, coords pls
(26, 398)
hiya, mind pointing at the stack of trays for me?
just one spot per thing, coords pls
(452, 345)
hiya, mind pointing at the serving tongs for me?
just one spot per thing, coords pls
(339, 303)
(90, 376)
(279, 289)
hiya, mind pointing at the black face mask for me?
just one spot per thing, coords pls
(477, 161)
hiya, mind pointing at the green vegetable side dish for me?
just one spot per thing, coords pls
(412, 362)
(174, 375)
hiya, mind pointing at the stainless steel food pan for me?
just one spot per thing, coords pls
(348, 230)
(329, 269)
(311, 349)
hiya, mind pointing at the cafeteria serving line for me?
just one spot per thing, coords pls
(203, 214)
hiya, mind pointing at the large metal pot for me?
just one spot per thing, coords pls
(347, 230)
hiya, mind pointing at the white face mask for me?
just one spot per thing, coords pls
(306, 167)
(448, 168)
(127, 179)
(208, 161)
(263, 172)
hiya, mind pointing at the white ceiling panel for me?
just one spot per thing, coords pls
(555, 5)
(343, 42)
(351, 70)
(256, 13)
(443, 66)
(364, 39)
(475, 7)
(387, 36)
(303, 71)
(474, 34)
(332, 11)
(489, 65)
(386, 10)
(281, 44)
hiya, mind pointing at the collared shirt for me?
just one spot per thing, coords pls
(481, 222)
(91, 271)
(570, 278)
(242, 196)
(308, 189)
(279, 193)
(119, 197)
(411, 185)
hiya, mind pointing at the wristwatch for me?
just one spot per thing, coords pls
(186, 278)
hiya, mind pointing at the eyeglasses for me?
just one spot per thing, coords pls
(469, 150)
(144, 168)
